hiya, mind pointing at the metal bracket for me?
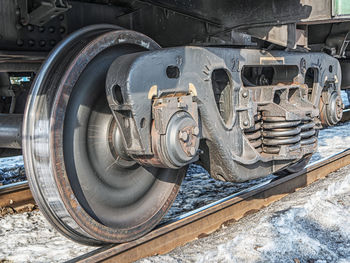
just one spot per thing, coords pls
(135, 80)
(44, 12)
(285, 35)
(338, 40)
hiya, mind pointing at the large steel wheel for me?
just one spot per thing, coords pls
(77, 170)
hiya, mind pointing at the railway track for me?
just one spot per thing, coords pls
(346, 115)
(207, 219)
(16, 197)
(197, 223)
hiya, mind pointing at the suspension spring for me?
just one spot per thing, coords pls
(270, 133)
(308, 133)
(254, 134)
(278, 132)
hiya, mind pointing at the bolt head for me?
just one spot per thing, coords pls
(192, 151)
(42, 43)
(183, 136)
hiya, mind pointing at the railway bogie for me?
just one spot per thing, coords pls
(125, 96)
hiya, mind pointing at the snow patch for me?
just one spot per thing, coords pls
(316, 230)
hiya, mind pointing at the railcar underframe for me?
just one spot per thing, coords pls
(110, 101)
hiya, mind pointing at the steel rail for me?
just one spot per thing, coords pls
(346, 115)
(202, 222)
(172, 234)
(15, 196)
(18, 194)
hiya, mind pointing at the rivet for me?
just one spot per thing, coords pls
(245, 123)
(245, 94)
(20, 42)
(31, 42)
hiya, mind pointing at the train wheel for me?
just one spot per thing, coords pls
(75, 165)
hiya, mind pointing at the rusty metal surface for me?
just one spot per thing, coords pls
(15, 197)
(279, 90)
(346, 115)
(57, 173)
(174, 132)
(21, 195)
(13, 61)
(166, 238)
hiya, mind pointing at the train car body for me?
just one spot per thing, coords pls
(111, 100)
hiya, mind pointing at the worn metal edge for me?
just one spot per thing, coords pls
(346, 115)
(168, 237)
(7, 188)
(24, 184)
(15, 196)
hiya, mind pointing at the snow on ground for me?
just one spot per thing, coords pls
(199, 188)
(311, 225)
(271, 235)
(28, 237)
(332, 140)
(11, 170)
(345, 98)
(296, 224)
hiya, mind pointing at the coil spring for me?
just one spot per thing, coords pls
(270, 133)
(308, 133)
(254, 134)
(278, 132)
